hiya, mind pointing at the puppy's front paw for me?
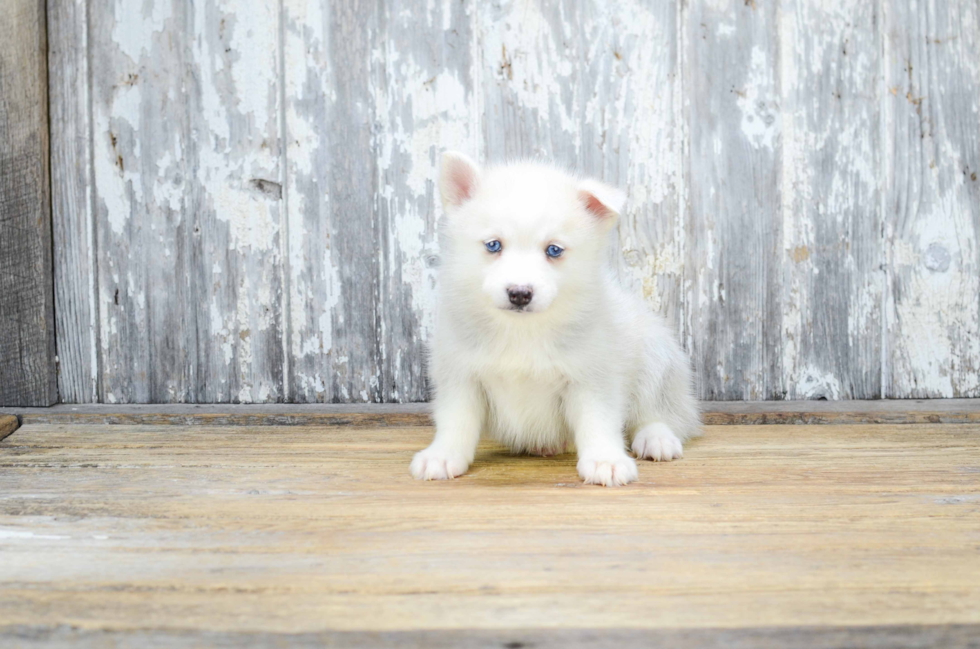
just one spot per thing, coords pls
(657, 442)
(609, 470)
(438, 464)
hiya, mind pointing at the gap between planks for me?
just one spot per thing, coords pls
(714, 413)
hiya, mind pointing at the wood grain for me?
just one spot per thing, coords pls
(831, 255)
(734, 314)
(300, 530)
(28, 373)
(186, 151)
(258, 223)
(73, 219)
(332, 187)
(932, 198)
(946, 411)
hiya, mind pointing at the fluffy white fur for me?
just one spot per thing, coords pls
(579, 365)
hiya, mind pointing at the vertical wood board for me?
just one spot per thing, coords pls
(831, 250)
(733, 265)
(186, 151)
(932, 198)
(75, 251)
(27, 337)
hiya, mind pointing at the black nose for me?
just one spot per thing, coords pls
(520, 295)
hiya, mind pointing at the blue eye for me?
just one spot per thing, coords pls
(554, 251)
(493, 246)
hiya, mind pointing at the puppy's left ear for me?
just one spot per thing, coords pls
(602, 202)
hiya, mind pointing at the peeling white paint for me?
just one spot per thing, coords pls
(603, 87)
(755, 100)
(135, 27)
(119, 183)
(932, 322)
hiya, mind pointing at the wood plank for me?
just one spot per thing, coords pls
(209, 529)
(953, 411)
(188, 191)
(529, 54)
(831, 251)
(946, 411)
(28, 372)
(336, 65)
(734, 305)
(8, 424)
(428, 103)
(932, 198)
(948, 636)
(400, 415)
(73, 219)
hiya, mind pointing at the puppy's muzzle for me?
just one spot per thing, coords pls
(520, 296)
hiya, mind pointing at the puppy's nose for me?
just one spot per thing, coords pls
(520, 295)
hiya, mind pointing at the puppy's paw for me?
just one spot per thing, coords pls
(438, 464)
(657, 442)
(609, 470)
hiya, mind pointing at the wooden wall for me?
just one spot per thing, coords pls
(27, 326)
(245, 207)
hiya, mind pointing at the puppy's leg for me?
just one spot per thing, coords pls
(656, 441)
(667, 412)
(458, 411)
(597, 423)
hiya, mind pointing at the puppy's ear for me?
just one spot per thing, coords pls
(602, 202)
(458, 180)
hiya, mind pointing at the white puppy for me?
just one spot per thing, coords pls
(535, 342)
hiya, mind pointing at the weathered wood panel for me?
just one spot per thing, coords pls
(831, 252)
(27, 328)
(932, 198)
(215, 529)
(260, 223)
(733, 268)
(75, 251)
(186, 150)
(335, 61)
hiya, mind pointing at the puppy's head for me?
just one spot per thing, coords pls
(523, 237)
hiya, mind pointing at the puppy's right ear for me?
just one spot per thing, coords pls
(458, 180)
(603, 203)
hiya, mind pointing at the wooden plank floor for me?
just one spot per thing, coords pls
(142, 532)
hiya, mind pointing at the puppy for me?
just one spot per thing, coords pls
(535, 342)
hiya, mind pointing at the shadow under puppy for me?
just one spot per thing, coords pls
(535, 341)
